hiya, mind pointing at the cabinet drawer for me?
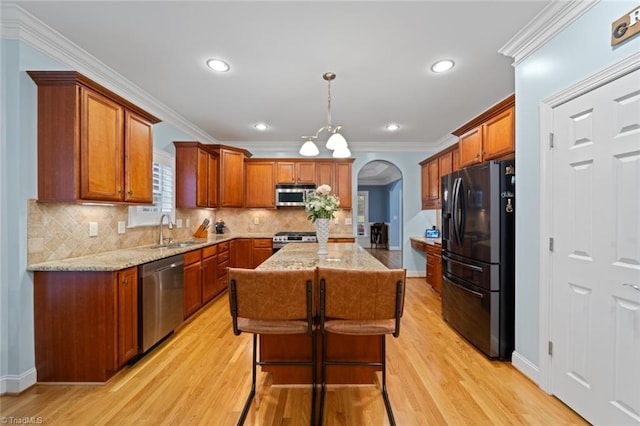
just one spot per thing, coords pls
(209, 251)
(223, 246)
(223, 257)
(192, 257)
(262, 243)
(418, 245)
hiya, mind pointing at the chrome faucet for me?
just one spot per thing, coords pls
(168, 216)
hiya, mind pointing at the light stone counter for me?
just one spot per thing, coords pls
(121, 259)
(430, 241)
(305, 256)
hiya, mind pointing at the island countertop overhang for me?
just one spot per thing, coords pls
(305, 256)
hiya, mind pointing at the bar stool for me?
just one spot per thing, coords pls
(273, 302)
(357, 302)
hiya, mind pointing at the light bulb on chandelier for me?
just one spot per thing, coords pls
(336, 142)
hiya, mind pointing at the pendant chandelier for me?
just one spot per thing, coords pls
(336, 142)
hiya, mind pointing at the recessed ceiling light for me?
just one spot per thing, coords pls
(392, 127)
(261, 126)
(218, 65)
(442, 66)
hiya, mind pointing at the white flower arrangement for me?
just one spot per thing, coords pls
(321, 204)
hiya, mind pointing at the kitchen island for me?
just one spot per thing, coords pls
(296, 347)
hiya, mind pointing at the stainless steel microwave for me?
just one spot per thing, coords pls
(292, 195)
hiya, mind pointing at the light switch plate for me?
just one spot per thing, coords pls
(347, 221)
(256, 220)
(121, 227)
(93, 229)
(178, 223)
(188, 224)
(336, 221)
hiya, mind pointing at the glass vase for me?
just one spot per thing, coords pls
(322, 234)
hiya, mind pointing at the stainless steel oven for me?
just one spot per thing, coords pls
(282, 238)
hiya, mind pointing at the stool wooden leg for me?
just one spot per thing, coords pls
(324, 377)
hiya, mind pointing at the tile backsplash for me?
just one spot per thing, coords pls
(59, 230)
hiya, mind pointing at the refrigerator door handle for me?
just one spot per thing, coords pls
(466, 265)
(465, 289)
(463, 211)
(454, 211)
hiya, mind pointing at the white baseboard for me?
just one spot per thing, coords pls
(14, 384)
(526, 367)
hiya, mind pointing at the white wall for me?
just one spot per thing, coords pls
(579, 51)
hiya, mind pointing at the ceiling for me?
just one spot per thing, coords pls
(381, 52)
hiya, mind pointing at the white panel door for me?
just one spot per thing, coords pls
(595, 308)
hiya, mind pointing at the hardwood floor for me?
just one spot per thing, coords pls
(201, 375)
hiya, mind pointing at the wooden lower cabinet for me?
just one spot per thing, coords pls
(85, 323)
(434, 266)
(192, 282)
(210, 286)
(248, 253)
(223, 264)
(262, 250)
(342, 240)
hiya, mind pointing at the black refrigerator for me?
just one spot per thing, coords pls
(478, 259)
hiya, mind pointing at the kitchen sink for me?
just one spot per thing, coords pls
(176, 245)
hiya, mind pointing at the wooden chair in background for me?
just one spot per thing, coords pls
(273, 302)
(360, 303)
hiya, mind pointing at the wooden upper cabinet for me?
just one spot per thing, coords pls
(433, 168)
(209, 175)
(434, 179)
(455, 159)
(325, 173)
(196, 176)
(488, 136)
(231, 173)
(295, 172)
(138, 149)
(93, 145)
(342, 184)
(260, 184)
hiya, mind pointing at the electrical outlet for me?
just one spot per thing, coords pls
(93, 229)
(336, 221)
(178, 223)
(347, 221)
(188, 224)
(256, 220)
(121, 227)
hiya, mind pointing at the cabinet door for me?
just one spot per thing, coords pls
(470, 145)
(306, 172)
(212, 180)
(138, 159)
(202, 179)
(325, 173)
(101, 140)
(241, 253)
(456, 160)
(262, 250)
(343, 184)
(424, 185)
(285, 172)
(445, 163)
(127, 314)
(498, 135)
(192, 288)
(223, 264)
(434, 179)
(260, 184)
(231, 178)
(209, 278)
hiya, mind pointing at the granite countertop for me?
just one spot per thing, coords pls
(431, 241)
(125, 258)
(305, 256)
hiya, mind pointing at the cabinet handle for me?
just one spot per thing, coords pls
(120, 191)
(125, 281)
(130, 193)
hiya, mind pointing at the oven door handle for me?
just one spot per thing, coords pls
(466, 265)
(465, 289)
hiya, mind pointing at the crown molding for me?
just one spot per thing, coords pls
(554, 18)
(18, 24)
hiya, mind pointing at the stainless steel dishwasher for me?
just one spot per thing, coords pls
(161, 294)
